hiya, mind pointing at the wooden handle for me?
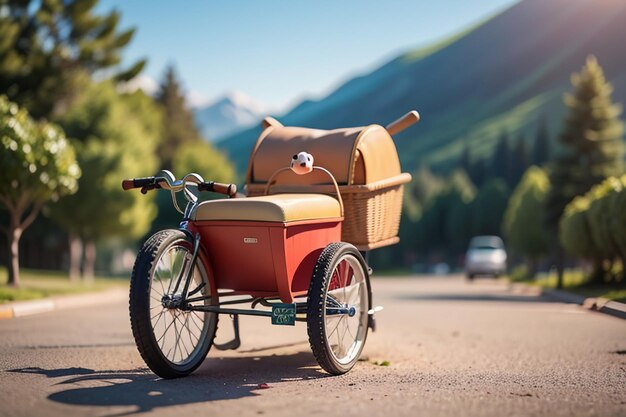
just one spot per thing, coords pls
(270, 121)
(402, 123)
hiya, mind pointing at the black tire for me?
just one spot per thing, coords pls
(318, 327)
(141, 316)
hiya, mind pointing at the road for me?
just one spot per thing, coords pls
(453, 349)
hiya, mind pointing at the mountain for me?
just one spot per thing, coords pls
(227, 115)
(502, 75)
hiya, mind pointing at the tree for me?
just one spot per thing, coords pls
(38, 165)
(575, 231)
(501, 158)
(600, 220)
(618, 222)
(46, 44)
(523, 224)
(488, 207)
(179, 127)
(426, 185)
(203, 158)
(592, 142)
(465, 160)
(478, 172)
(199, 157)
(112, 133)
(541, 146)
(434, 232)
(519, 162)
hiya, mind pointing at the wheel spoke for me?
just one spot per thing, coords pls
(180, 335)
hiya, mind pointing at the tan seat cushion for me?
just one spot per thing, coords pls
(272, 208)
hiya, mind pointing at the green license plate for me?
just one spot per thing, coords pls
(284, 314)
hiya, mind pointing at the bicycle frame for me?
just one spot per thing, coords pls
(185, 301)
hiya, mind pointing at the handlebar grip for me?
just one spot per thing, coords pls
(226, 189)
(138, 183)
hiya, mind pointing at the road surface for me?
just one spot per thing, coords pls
(453, 349)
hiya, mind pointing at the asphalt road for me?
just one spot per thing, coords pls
(454, 349)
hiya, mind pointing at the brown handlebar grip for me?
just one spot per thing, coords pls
(139, 183)
(226, 189)
(402, 123)
(128, 184)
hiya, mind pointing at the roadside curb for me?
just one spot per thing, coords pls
(28, 308)
(599, 304)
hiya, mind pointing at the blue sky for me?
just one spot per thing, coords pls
(279, 52)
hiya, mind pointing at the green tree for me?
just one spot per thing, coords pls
(199, 157)
(541, 146)
(45, 44)
(38, 165)
(424, 187)
(203, 158)
(600, 220)
(575, 231)
(501, 158)
(523, 224)
(112, 133)
(618, 217)
(592, 142)
(179, 126)
(440, 210)
(488, 207)
(519, 162)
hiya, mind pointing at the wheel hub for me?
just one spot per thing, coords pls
(171, 301)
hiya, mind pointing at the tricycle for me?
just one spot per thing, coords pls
(295, 249)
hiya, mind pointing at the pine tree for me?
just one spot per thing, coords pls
(519, 162)
(465, 159)
(592, 140)
(501, 158)
(179, 126)
(46, 44)
(478, 172)
(541, 146)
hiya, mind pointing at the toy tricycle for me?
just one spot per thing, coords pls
(295, 248)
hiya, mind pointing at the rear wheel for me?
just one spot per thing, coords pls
(172, 342)
(338, 304)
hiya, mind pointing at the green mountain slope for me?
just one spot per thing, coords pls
(502, 75)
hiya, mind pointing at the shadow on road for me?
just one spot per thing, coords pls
(217, 379)
(482, 291)
(475, 297)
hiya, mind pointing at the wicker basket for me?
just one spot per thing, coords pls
(372, 212)
(372, 219)
(364, 162)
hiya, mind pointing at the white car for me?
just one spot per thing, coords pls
(485, 256)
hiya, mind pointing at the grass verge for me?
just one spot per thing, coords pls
(575, 281)
(36, 284)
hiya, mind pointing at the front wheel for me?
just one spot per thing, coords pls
(173, 342)
(338, 305)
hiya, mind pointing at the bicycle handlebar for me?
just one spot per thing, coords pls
(150, 183)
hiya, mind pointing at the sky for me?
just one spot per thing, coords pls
(280, 52)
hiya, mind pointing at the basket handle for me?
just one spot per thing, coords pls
(272, 180)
